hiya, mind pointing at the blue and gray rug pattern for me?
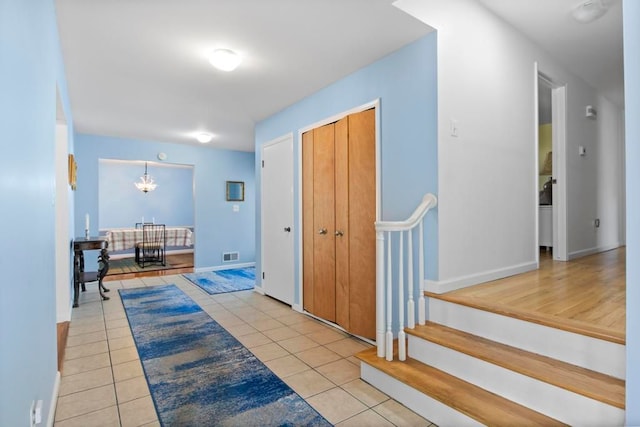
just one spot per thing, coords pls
(199, 374)
(221, 281)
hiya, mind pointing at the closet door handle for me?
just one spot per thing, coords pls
(322, 231)
(339, 233)
(287, 229)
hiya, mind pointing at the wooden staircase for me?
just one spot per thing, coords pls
(472, 366)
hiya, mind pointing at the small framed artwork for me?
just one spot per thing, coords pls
(235, 191)
(73, 170)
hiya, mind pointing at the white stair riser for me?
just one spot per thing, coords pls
(420, 403)
(555, 402)
(591, 353)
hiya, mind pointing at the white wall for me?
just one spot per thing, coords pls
(487, 191)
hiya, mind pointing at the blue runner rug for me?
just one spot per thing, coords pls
(221, 281)
(200, 375)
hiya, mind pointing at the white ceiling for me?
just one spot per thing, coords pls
(591, 51)
(138, 68)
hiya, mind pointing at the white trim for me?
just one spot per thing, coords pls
(559, 144)
(259, 290)
(375, 104)
(298, 308)
(224, 267)
(590, 251)
(442, 286)
(54, 401)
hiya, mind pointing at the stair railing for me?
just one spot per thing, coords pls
(385, 267)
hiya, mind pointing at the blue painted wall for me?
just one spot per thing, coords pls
(631, 17)
(217, 228)
(121, 204)
(405, 83)
(30, 67)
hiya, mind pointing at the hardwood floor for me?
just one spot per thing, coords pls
(586, 295)
(181, 263)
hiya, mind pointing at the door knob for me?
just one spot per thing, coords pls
(339, 233)
(322, 231)
(287, 229)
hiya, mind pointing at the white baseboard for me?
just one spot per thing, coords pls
(54, 401)
(590, 251)
(298, 308)
(224, 267)
(442, 286)
(259, 290)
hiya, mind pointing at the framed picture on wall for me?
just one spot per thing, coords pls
(235, 191)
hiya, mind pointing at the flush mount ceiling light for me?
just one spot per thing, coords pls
(204, 137)
(589, 11)
(224, 59)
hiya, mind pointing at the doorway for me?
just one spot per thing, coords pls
(550, 168)
(277, 219)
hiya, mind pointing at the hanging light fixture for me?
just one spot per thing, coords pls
(146, 183)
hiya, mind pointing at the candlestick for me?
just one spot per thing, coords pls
(86, 222)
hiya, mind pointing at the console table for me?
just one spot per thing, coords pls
(80, 277)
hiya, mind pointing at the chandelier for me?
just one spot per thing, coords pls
(146, 183)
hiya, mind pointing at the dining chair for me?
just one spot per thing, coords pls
(152, 248)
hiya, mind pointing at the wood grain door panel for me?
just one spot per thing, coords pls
(324, 268)
(342, 221)
(362, 216)
(307, 221)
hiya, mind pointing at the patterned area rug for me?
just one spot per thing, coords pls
(199, 374)
(221, 281)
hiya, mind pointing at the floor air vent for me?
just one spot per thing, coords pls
(230, 256)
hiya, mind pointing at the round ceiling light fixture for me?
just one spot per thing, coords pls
(204, 137)
(224, 59)
(589, 11)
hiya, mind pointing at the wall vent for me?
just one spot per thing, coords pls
(230, 256)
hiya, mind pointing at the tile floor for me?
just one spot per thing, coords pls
(103, 383)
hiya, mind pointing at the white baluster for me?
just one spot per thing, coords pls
(380, 293)
(402, 343)
(411, 314)
(389, 338)
(421, 301)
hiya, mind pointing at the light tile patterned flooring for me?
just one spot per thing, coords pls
(103, 383)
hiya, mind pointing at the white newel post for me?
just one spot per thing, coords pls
(402, 340)
(411, 314)
(380, 293)
(389, 337)
(421, 301)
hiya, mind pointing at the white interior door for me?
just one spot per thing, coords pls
(277, 219)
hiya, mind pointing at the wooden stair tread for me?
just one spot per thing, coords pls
(594, 385)
(568, 325)
(485, 407)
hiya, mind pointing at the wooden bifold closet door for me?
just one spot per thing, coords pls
(339, 206)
